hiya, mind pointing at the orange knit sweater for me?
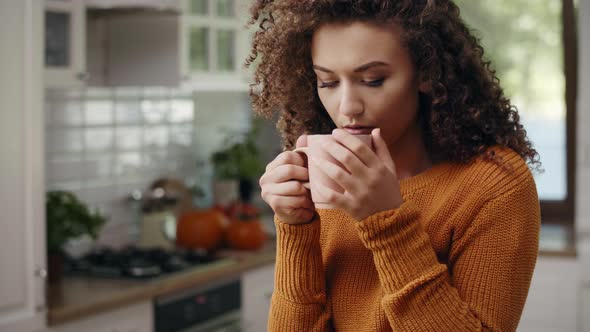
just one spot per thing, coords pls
(458, 255)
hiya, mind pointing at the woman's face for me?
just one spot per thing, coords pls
(366, 78)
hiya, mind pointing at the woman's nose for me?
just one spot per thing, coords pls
(350, 102)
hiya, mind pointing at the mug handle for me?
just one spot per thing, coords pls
(303, 150)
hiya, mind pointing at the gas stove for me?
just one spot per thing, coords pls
(136, 263)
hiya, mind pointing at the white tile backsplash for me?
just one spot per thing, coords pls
(181, 111)
(99, 139)
(181, 135)
(128, 163)
(100, 195)
(64, 113)
(104, 143)
(98, 112)
(128, 138)
(155, 136)
(127, 111)
(65, 170)
(64, 140)
(98, 167)
(154, 111)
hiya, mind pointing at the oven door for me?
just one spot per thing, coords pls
(215, 307)
(230, 322)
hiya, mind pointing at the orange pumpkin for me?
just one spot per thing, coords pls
(242, 210)
(245, 234)
(200, 229)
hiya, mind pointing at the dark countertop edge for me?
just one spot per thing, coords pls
(150, 290)
(566, 252)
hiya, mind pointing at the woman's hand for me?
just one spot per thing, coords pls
(370, 182)
(282, 187)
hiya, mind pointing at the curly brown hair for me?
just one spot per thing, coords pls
(464, 113)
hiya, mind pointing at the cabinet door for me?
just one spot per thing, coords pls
(22, 201)
(135, 318)
(214, 44)
(584, 308)
(65, 31)
(257, 286)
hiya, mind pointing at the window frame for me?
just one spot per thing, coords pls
(563, 211)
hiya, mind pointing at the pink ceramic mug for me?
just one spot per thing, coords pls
(316, 177)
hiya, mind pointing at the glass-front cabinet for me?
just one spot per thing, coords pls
(64, 56)
(214, 44)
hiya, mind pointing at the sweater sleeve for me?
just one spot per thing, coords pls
(298, 301)
(485, 283)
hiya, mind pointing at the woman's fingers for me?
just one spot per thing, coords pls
(382, 150)
(290, 188)
(335, 198)
(292, 209)
(282, 187)
(284, 173)
(288, 203)
(286, 157)
(336, 173)
(353, 144)
(344, 156)
(301, 141)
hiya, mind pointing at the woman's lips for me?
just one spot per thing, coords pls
(359, 130)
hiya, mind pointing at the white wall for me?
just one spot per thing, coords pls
(583, 114)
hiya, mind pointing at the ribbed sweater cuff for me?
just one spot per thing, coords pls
(401, 248)
(299, 274)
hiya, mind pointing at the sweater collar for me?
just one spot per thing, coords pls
(420, 180)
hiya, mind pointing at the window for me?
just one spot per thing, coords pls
(532, 45)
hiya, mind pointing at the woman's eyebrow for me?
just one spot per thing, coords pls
(359, 69)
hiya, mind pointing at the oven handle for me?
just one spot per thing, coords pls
(229, 322)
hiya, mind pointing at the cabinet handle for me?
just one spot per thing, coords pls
(83, 76)
(41, 273)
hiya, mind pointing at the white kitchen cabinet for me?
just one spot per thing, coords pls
(257, 287)
(551, 304)
(22, 199)
(584, 308)
(214, 45)
(65, 43)
(132, 48)
(134, 318)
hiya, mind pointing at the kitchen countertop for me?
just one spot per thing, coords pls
(76, 297)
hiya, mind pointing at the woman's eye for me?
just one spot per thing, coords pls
(375, 83)
(327, 84)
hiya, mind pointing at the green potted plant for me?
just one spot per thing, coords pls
(67, 218)
(239, 162)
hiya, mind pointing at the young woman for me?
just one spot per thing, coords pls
(438, 227)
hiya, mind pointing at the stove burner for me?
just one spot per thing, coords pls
(137, 263)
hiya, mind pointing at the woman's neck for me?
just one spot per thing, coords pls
(410, 154)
